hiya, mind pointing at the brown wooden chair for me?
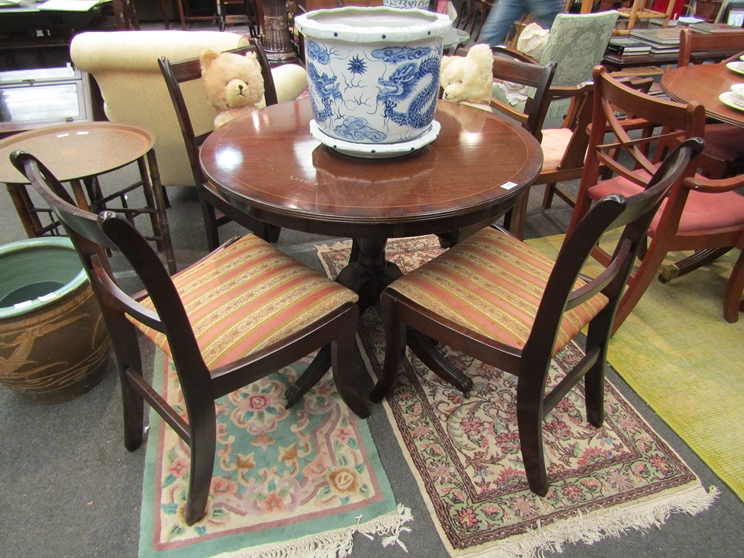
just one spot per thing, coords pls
(471, 14)
(264, 312)
(505, 303)
(508, 66)
(697, 215)
(216, 210)
(724, 152)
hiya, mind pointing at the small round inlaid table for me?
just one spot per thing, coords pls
(79, 153)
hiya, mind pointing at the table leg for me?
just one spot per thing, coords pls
(691, 263)
(24, 207)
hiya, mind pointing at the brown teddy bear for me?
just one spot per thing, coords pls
(232, 83)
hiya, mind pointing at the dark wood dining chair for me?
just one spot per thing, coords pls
(701, 218)
(216, 210)
(507, 66)
(500, 301)
(243, 312)
(724, 150)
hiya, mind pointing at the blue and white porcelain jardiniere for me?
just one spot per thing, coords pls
(373, 73)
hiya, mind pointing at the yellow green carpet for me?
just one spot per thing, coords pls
(679, 354)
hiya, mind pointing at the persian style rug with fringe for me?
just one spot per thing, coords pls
(465, 453)
(286, 482)
(678, 353)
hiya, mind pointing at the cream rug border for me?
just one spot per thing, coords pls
(638, 515)
(332, 544)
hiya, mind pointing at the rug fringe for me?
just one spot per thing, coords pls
(600, 524)
(334, 544)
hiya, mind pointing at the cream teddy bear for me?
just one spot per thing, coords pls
(232, 83)
(468, 78)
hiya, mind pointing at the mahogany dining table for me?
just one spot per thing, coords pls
(269, 165)
(704, 83)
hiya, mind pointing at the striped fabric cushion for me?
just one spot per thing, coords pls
(492, 284)
(246, 297)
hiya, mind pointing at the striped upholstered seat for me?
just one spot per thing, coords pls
(247, 296)
(492, 284)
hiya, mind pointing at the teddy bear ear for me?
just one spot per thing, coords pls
(207, 56)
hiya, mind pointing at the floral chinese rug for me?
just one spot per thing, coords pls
(465, 453)
(287, 482)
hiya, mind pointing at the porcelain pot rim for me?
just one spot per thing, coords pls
(395, 25)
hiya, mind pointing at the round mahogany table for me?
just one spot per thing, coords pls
(268, 165)
(704, 83)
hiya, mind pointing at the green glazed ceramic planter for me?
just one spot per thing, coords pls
(54, 345)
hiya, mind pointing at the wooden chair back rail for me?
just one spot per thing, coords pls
(696, 48)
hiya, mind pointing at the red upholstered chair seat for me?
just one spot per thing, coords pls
(702, 212)
(554, 143)
(248, 296)
(492, 283)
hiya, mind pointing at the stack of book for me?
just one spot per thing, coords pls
(706, 27)
(661, 41)
(628, 46)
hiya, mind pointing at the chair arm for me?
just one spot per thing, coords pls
(514, 53)
(710, 186)
(290, 81)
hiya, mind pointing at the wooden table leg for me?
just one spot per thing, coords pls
(24, 207)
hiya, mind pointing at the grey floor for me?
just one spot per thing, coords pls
(69, 488)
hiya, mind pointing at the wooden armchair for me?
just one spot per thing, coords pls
(236, 316)
(507, 304)
(216, 210)
(707, 216)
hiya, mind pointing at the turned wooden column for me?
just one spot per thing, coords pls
(276, 40)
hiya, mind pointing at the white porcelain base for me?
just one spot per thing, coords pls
(376, 150)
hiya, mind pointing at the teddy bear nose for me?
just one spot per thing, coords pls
(240, 89)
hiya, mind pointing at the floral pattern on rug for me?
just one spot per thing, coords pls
(280, 474)
(466, 455)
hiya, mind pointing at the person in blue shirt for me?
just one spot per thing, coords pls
(506, 12)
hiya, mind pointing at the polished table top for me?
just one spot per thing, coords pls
(268, 164)
(704, 83)
(76, 151)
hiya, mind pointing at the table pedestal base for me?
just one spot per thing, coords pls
(367, 274)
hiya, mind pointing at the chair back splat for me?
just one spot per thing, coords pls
(504, 303)
(216, 210)
(265, 311)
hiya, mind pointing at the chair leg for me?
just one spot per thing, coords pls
(395, 348)
(732, 303)
(342, 358)
(203, 430)
(639, 283)
(529, 421)
(134, 411)
(548, 195)
(598, 336)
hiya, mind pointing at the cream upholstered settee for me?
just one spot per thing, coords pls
(125, 66)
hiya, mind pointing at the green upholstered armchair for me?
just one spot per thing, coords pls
(576, 43)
